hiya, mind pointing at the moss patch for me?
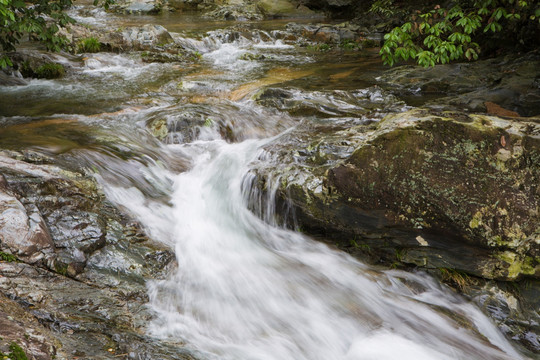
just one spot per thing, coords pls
(7, 257)
(89, 45)
(50, 71)
(17, 353)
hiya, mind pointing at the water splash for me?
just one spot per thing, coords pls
(245, 289)
(248, 289)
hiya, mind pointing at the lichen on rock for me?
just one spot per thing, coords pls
(438, 173)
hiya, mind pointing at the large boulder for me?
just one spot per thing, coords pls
(284, 9)
(474, 178)
(336, 8)
(250, 9)
(146, 36)
(139, 6)
(328, 3)
(437, 190)
(455, 194)
(239, 12)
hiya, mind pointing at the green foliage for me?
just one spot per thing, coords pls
(50, 71)
(89, 45)
(441, 35)
(208, 122)
(18, 17)
(197, 55)
(349, 45)
(7, 257)
(39, 19)
(319, 47)
(104, 3)
(61, 268)
(363, 247)
(17, 353)
(384, 8)
(400, 254)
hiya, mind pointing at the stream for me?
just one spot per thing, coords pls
(245, 287)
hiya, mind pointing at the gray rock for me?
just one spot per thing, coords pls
(101, 314)
(508, 82)
(512, 306)
(146, 36)
(77, 319)
(11, 79)
(19, 326)
(139, 6)
(328, 3)
(23, 231)
(184, 4)
(236, 12)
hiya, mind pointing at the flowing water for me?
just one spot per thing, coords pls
(244, 287)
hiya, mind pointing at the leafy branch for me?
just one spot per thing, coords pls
(442, 35)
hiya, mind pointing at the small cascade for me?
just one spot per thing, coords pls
(178, 150)
(247, 289)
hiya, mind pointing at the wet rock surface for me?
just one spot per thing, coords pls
(450, 192)
(466, 178)
(81, 320)
(444, 191)
(23, 231)
(20, 327)
(513, 306)
(510, 82)
(139, 6)
(243, 10)
(75, 287)
(346, 36)
(145, 37)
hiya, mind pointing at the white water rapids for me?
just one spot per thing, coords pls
(245, 289)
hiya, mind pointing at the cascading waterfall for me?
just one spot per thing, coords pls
(245, 289)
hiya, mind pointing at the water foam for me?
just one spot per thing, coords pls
(245, 289)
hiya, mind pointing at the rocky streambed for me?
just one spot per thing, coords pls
(433, 170)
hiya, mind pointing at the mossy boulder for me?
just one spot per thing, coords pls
(37, 65)
(284, 9)
(437, 190)
(50, 71)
